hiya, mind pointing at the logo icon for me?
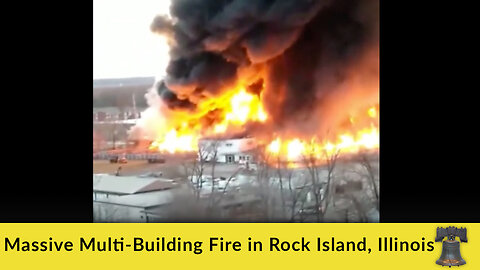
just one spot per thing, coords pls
(451, 247)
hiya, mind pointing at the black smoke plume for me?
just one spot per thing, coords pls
(318, 57)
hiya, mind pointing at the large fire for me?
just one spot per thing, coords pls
(295, 149)
(237, 107)
(233, 109)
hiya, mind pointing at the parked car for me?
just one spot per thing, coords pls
(114, 159)
(123, 159)
(156, 160)
(119, 159)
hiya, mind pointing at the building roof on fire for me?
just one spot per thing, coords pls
(128, 184)
(228, 136)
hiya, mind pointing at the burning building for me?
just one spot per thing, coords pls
(301, 76)
(228, 150)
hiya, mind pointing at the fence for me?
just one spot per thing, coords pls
(136, 156)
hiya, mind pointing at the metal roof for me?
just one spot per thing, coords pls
(141, 200)
(129, 184)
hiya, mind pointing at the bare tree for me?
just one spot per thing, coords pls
(364, 161)
(291, 193)
(194, 171)
(279, 170)
(114, 133)
(331, 163)
(358, 207)
(207, 154)
(212, 153)
(296, 193)
(227, 185)
(321, 191)
(368, 171)
(262, 178)
(348, 192)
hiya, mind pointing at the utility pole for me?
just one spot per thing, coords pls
(134, 105)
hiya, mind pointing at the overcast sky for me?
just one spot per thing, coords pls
(123, 45)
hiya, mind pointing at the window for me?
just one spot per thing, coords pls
(248, 157)
(228, 144)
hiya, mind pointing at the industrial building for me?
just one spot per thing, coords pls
(127, 199)
(231, 150)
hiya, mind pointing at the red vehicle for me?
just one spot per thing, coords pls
(119, 159)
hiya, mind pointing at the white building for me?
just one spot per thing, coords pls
(234, 150)
(126, 199)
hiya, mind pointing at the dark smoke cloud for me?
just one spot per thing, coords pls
(326, 61)
(312, 50)
(201, 74)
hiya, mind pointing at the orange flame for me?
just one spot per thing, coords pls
(234, 109)
(296, 149)
(238, 107)
(175, 142)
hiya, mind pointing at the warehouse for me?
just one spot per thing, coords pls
(126, 199)
(231, 150)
